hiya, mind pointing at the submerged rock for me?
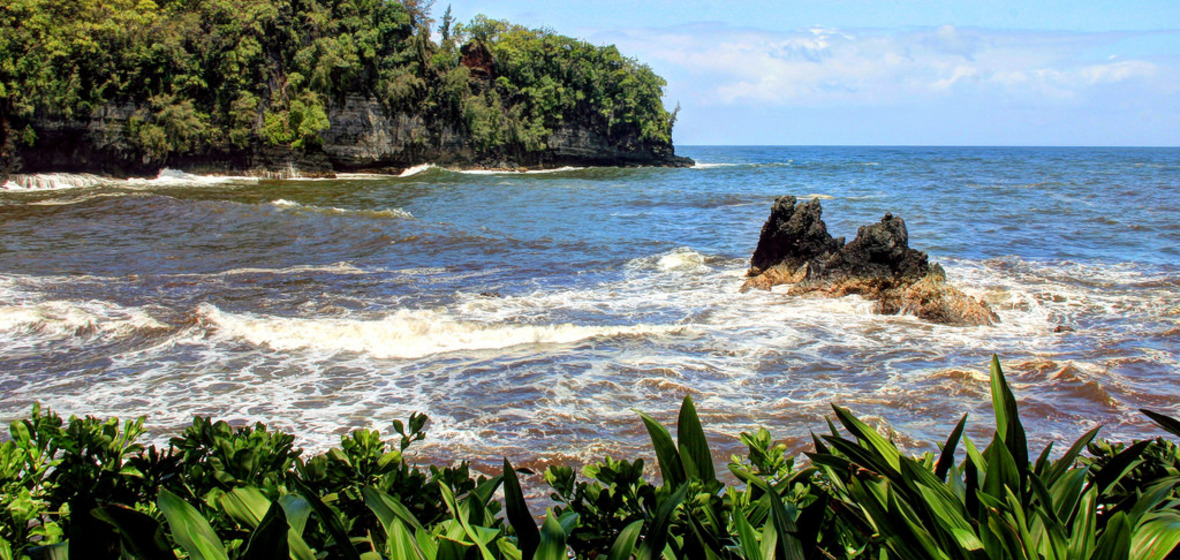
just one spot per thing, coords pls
(795, 248)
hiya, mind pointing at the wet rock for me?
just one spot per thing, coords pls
(795, 248)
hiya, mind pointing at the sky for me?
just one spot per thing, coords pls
(892, 72)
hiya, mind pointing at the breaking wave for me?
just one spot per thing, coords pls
(384, 213)
(404, 334)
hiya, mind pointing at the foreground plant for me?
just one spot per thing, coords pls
(85, 489)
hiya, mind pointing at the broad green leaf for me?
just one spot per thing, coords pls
(671, 468)
(1168, 423)
(747, 538)
(518, 514)
(401, 545)
(553, 537)
(951, 515)
(142, 536)
(865, 433)
(190, 530)
(657, 535)
(769, 540)
(246, 505)
(1157, 536)
(1115, 541)
(1067, 460)
(692, 442)
(330, 519)
(624, 545)
(788, 545)
(476, 538)
(1117, 466)
(297, 511)
(269, 539)
(946, 459)
(388, 508)
(1008, 426)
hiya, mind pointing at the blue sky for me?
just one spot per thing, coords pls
(894, 72)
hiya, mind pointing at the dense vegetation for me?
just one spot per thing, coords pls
(218, 75)
(85, 488)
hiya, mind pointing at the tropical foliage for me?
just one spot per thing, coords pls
(85, 488)
(205, 75)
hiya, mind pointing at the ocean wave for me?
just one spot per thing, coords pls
(54, 182)
(385, 213)
(565, 169)
(175, 178)
(678, 260)
(702, 165)
(411, 171)
(72, 319)
(67, 181)
(405, 334)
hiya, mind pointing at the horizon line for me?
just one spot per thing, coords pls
(1061, 146)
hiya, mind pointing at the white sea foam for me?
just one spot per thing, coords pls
(702, 165)
(69, 319)
(54, 181)
(517, 172)
(384, 213)
(682, 259)
(404, 334)
(176, 178)
(410, 172)
(166, 178)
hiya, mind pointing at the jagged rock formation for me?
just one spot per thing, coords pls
(795, 248)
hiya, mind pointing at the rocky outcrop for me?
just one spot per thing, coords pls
(363, 136)
(795, 248)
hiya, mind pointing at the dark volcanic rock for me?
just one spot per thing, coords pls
(795, 248)
(792, 237)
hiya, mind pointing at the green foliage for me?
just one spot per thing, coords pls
(203, 75)
(224, 492)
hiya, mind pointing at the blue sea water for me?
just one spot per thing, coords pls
(529, 314)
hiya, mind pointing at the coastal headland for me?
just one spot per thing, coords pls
(281, 91)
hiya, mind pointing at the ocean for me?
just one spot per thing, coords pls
(531, 314)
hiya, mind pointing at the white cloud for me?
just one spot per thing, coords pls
(722, 65)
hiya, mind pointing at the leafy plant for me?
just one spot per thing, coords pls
(224, 492)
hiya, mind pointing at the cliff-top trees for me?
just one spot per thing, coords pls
(219, 75)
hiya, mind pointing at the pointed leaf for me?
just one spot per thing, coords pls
(867, 434)
(553, 537)
(142, 536)
(671, 468)
(625, 543)
(527, 535)
(1008, 426)
(331, 521)
(691, 437)
(747, 538)
(1117, 466)
(269, 539)
(190, 530)
(1156, 538)
(1168, 423)
(657, 535)
(946, 459)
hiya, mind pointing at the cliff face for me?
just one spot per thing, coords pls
(363, 136)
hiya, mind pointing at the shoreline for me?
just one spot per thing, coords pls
(31, 181)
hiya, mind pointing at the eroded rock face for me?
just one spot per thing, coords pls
(795, 248)
(363, 136)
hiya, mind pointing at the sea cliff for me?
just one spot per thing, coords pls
(311, 90)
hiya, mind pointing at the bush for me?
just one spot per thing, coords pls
(220, 492)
